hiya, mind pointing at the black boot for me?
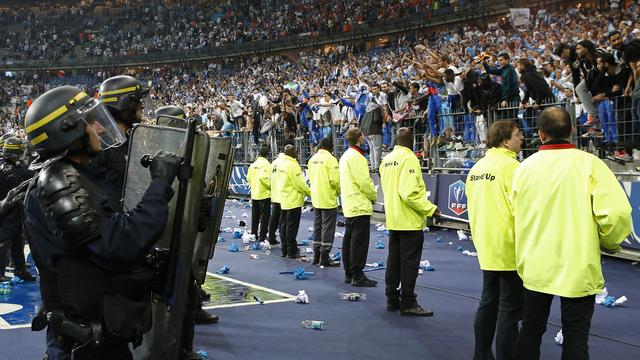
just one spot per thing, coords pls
(316, 254)
(25, 275)
(203, 317)
(325, 260)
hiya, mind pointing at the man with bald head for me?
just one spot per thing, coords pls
(406, 210)
(567, 206)
(292, 189)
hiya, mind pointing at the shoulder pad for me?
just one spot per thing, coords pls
(67, 205)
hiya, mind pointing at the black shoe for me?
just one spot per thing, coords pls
(330, 263)
(274, 242)
(416, 311)
(316, 259)
(25, 275)
(283, 253)
(348, 279)
(203, 317)
(393, 305)
(295, 255)
(364, 282)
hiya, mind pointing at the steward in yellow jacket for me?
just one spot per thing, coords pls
(567, 206)
(259, 178)
(488, 189)
(275, 218)
(324, 175)
(357, 194)
(406, 210)
(292, 189)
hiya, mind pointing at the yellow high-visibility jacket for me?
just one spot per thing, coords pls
(293, 187)
(259, 179)
(356, 187)
(275, 183)
(405, 197)
(567, 205)
(488, 188)
(324, 175)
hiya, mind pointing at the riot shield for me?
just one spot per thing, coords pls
(219, 168)
(163, 340)
(170, 121)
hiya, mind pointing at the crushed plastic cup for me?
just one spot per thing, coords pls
(254, 257)
(559, 339)
(339, 234)
(469, 253)
(302, 297)
(306, 242)
(336, 257)
(267, 252)
(462, 236)
(379, 244)
(247, 238)
(221, 238)
(308, 250)
(310, 228)
(439, 239)
(426, 229)
(459, 248)
(256, 246)
(203, 354)
(224, 270)
(313, 324)
(237, 234)
(258, 300)
(353, 296)
(228, 230)
(234, 247)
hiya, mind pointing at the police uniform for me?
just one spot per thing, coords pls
(324, 176)
(292, 188)
(491, 219)
(275, 219)
(259, 179)
(406, 210)
(357, 195)
(95, 285)
(12, 174)
(567, 206)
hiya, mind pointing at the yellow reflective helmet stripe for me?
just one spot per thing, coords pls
(55, 114)
(38, 139)
(47, 119)
(12, 146)
(109, 99)
(119, 91)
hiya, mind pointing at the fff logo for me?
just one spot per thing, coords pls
(457, 198)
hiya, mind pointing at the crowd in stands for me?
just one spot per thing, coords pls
(445, 83)
(132, 27)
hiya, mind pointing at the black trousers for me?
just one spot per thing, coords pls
(13, 244)
(289, 231)
(576, 316)
(405, 250)
(274, 222)
(355, 245)
(324, 228)
(260, 213)
(499, 311)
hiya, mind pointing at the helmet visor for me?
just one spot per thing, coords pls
(97, 117)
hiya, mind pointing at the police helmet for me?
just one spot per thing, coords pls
(12, 148)
(122, 94)
(3, 138)
(171, 116)
(60, 116)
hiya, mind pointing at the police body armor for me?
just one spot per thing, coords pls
(75, 284)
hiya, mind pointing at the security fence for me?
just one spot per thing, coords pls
(454, 139)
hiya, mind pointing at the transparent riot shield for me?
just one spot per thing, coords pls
(178, 240)
(170, 121)
(219, 168)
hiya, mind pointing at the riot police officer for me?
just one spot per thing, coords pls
(95, 285)
(12, 174)
(123, 96)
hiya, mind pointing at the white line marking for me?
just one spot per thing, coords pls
(287, 297)
(252, 285)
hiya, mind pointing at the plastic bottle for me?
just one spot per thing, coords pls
(313, 324)
(353, 296)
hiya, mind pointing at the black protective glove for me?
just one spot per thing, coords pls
(165, 166)
(14, 198)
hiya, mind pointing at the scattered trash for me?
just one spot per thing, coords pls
(266, 245)
(459, 248)
(336, 257)
(611, 301)
(247, 238)
(299, 273)
(425, 265)
(313, 324)
(254, 257)
(559, 338)
(450, 243)
(267, 252)
(307, 209)
(203, 354)
(256, 246)
(380, 263)
(310, 228)
(339, 234)
(228, 230)
(229, 217)
(302, 297)
(308, 250)
(426, 229)
(603, 294)
(234, 247)
(439, 239)
(256, 298)
(242, 223)
(462, 236)
(5, 288)
(469, 253)
(634, 263)
(340, 224)
(381, 228)
(306, 242)
(353, 296)
(369, 269)
(246, 248)
(379, 244)
(221, 239)
(237, 234)
(224, 270)
(245, 215)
